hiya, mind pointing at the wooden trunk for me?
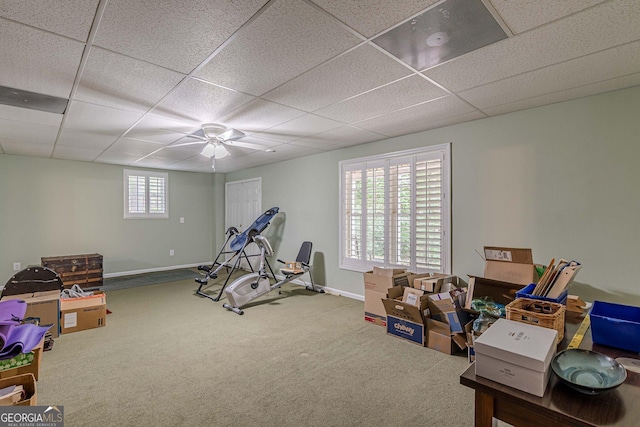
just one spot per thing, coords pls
(82, 270)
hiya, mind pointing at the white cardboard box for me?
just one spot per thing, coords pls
(516, 354)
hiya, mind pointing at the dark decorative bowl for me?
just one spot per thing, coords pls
(587, 371)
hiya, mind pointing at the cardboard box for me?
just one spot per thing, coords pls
(444, 309)
(517, 355)
(441, 338)
(373, 307)
(28, 382)
(44, 306)
(24, 363)
(500, 292)
(513, 265)
(405, 320)
(412, 296)
(432, 282)
(388, 272)
(293, 265)
(379, 279)
(79, 314)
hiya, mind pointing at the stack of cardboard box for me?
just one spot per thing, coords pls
(376, 284)
(435, 320)
(40, 288)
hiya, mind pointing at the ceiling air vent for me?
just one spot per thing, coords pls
(446, 31)
(32, 100)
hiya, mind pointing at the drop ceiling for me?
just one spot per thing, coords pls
(298, 77)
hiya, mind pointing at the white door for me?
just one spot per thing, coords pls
(243, 205)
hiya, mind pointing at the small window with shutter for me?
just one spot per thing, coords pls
(146, 194)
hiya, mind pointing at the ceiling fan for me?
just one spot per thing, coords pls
(217, 138)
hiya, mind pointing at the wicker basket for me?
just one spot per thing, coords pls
(536, 312)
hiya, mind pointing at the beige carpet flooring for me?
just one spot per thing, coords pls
(170, 358)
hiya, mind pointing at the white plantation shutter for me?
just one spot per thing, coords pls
(136, 198)
(145, 194)
(400, 208)
(157, 194)
(429, 214)
(395, 211)
(375, 212)
(352, 222)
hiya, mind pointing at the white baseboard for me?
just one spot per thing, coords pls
(153, 270)
(327, 289)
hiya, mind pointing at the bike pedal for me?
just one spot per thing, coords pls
(202, 281)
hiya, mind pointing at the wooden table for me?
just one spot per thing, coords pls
(560, 405)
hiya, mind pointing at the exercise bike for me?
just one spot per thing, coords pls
(245, 289)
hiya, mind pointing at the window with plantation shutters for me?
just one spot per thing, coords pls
(145, 194)
(394, 211)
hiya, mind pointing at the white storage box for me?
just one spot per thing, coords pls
(516, 354)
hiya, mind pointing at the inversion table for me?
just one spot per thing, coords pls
(239, 242)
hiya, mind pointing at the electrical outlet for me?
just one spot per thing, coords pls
(171, 252)
(181, 220)
(17, 266)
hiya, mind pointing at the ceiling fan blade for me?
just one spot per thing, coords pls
(231, 135)
(184, 144)
(249, 145)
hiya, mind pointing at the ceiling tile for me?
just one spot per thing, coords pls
(200, 102)
(588, 69)
(125, 83)
(20, 147)
(259, 115)
(161, 130)
(133, 147)
(400, 94)
(564, 95)
(286, 40)
(417, 118)
(79, 138)
(174, 34)
(28, 115)
(155, 162)
(87, 153)
(571, 37)
(116, 158)
(71, 18)
(360, 70)
(98, 119)
(194, 164)
(337, 138)
(37, 61)
(38, 133)
(369, 17)
(178, 153)
(299, 127)
(522, 15)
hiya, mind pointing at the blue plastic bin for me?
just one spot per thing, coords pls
(526, 293)
(616, 325)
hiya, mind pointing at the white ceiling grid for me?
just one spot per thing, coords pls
(296, 76)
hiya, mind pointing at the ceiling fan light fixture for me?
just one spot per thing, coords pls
(213, 130)
(208, 150)
(214, 150)
(220, 151)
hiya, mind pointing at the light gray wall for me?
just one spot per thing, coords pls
(561, 179)
(55, 207)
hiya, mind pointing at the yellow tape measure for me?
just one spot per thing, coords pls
(579, 335)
